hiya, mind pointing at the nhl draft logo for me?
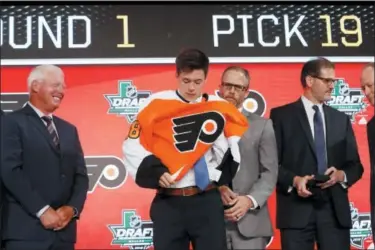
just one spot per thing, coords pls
(133, 232)
(127, 101)
(360, 234)
(351, 101)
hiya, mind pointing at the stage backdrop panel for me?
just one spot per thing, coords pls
(103, 100)
(115, 56)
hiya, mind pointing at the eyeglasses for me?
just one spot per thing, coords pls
(229, 86)
(327, 81)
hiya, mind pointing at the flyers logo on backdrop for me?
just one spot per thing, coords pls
(204, 127)
(180, 133)
(254, 102)
(106, 171)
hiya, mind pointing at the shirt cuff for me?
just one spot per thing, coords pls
(41, 211)
(343, 184)
(255, 203)
(75, 215)
(290, 188)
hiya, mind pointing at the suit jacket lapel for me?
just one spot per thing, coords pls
(41, 127)
(245, 135)
(302, 117)
(329, 123)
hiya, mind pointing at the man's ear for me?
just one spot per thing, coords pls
(35, 86)
(309, 81)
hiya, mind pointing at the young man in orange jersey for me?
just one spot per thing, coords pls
(197, 151)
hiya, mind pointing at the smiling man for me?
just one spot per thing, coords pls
(43, 169)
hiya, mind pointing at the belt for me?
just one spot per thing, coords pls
(186, 191)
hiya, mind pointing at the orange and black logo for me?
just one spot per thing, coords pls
(204, 127)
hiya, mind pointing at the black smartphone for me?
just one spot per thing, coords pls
(321, 178)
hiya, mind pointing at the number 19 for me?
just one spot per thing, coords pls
(357, 31)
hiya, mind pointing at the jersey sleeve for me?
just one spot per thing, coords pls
(142, 165)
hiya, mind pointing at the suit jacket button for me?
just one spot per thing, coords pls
(63, 176)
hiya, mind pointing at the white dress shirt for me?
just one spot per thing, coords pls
(41, 114)
(310, 112)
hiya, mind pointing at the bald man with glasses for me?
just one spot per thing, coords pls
(248, 224)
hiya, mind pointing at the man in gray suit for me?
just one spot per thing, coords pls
(248, 221)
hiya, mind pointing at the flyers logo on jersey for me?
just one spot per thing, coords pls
(204, 127)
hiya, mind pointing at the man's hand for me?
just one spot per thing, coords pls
(227, 196)
(166, 180)
(335, 176)
(50, 219)
(300, 184)
(236, 212)
(66, 214)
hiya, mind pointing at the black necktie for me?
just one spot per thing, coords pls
(320, 145)
(51, 130)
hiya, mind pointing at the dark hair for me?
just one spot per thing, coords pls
(314, 67)
(191, 59)
(240, 69)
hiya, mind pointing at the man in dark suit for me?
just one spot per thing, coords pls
(315, 141)
(43, 169)
(367, 85)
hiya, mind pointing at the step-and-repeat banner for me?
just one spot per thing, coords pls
(114, 57)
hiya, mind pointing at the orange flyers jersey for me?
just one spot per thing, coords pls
(180, 133)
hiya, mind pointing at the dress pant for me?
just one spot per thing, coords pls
(322, 228)
(179, 220)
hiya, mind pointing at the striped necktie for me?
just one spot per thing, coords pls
(51, 130)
